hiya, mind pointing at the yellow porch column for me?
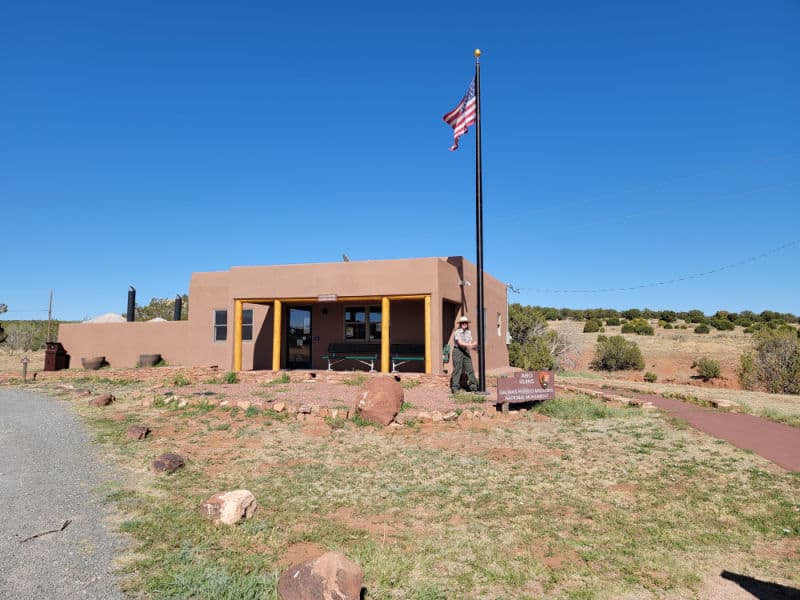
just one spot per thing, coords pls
(385, 318)
(277, 308)
(237, 335)
(428, 334)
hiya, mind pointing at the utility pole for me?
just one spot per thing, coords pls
(50, 316)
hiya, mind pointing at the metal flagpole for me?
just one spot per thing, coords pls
(479, 226)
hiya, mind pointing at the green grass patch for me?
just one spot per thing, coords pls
(581, 408)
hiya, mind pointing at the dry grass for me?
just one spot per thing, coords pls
(10, 361)
(670, 352)
(586, 503)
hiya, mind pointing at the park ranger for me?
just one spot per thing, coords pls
(462, 361)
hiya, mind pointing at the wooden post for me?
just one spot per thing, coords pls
(428, 334)
(237, 335)
(277, 307)
(385, 322)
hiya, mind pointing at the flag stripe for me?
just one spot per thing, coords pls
(463, 115)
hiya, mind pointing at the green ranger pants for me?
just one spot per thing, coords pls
(462, 363)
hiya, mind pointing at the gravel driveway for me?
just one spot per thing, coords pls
(48, 472)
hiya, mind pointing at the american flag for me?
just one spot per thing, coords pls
(463, 115)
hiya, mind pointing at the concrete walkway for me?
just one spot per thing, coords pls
(48, 475)
(774, 441)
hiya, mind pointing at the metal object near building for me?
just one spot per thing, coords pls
(55, 357)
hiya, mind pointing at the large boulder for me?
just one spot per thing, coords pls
(380, 400)
(229, 508)
(331, 576)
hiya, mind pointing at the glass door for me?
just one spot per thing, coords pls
(298, 338)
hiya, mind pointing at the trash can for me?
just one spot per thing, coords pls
(55, 357)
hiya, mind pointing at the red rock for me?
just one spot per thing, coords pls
(138, 432)
(380, 401)
(103, 400)
(229, 507)
(331, 576)
(168, 463)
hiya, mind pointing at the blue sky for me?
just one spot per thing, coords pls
(625, 143)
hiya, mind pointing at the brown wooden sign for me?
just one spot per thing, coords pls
(526, 386)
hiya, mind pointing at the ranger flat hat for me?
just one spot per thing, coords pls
(463, 320)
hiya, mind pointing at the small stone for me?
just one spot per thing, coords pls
(450, 416)
(305, 409)
(182, 403)
(243, 404)
(331, 576)
(168, 463)
(437, 417)
(103, 400)
(279, 407)
(400, 419)
(137, 432)
(224, 403)
(229, 508)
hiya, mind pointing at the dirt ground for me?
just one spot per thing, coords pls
(573, 499)
(669, 353)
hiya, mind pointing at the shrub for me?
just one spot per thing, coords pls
(616, 353)
(231, 377)
(612, 322)
(722, 324)
(650, 377)
(702, 328)
(775, 363)
(533, 345)
(707, 368)
(180, 380)
(668, 326)
(638, 326)
(591, 326)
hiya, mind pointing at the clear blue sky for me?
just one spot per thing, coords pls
(625, 143)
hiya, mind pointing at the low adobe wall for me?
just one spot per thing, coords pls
(122, 343)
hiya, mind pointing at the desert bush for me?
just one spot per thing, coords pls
(774, 363)
(638, 326)
(722, 324)
(696, 316)
(591, 326)
(668, 326)
(615, 353)
(707, 368)
(650, 377)
(28, 335)
(702, 328)
(533, 345)
(612, 322)
(231, 377)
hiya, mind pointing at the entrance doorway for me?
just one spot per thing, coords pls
(298, 338)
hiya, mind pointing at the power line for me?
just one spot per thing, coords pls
(733, 265)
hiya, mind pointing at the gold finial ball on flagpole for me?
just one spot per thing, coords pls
(477, 52)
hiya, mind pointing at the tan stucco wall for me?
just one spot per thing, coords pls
(191, 342)
(122, 343)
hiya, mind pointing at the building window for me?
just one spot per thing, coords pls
(362, 322)
(499, 325)
(220, 325)
(247, 325)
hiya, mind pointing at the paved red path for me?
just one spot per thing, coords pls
(774, 441)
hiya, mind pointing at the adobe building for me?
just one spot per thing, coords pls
(384, 314)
